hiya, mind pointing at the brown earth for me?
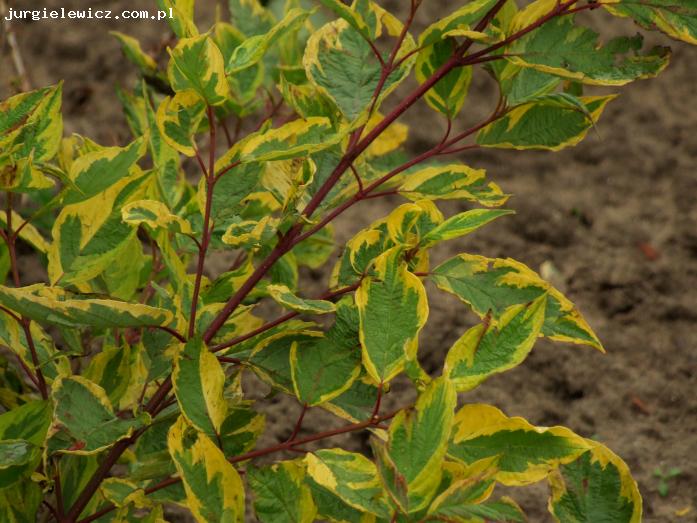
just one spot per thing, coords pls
(613, 221)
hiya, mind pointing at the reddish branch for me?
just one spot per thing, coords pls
(36, 376)
(207, 229)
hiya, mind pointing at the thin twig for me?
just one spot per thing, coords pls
(206, 233)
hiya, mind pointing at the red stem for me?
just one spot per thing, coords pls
(37, 377)
(206, 233)
(299, 423)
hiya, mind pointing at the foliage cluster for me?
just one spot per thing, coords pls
(129, 376)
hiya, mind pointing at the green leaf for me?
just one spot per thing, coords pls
(31, 129)
(307, 100)
(20, 503)
(286, 298)
(241, 429)
(331, 508)
(452, 182)
(561, 48)
(199, 380)
(165, 158)
(270, 359)
(596, 487)
(58, 307)
(121, 372)
(314, 251)
(250, 17)
(463, 489)
(280, 495)
(340, 62)
(418, 440)
(243, 84)
(357, 403)
(154, 214)
(214, 490)
(75, 471)
(462, 20)
(29, 233)
(134, 52)
(491, 348)
(122, 492)
(178, 119)
(233, 192)
(50, 360)
(502, 510)
(393, 308)
(182, 23)
(676, 18)
(253, 49)
(89, 236)
(521, 84)
(197, 65)
(29, 422)
(461, 224)
(250, 234)
(449, 94)
(18, 459)
(84, 420)
(294, 139)
(351, 477)
(351, 16)
(494, 284)
(526, 453)
(327, 368)
(543, 125)
(96, 171)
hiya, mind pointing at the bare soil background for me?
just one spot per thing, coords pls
(613, 221)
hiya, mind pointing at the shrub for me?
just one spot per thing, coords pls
(128, 382)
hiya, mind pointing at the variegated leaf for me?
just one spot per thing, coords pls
(449, 182)
(417, 444)
(596, 487)
(491, 285)
(196, 64)
(154, 214)
(676, 18)
(351, 477)
(286, 298)
(543, 125)
(84, 421)
(58, 307)
(526, 453)
(326, 369)
(280, 494)
(178, 119)
(214, 490)
(491, 348)
(564, 49)
(393, 308)
(199, 380)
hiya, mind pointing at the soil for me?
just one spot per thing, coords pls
(612, 221)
